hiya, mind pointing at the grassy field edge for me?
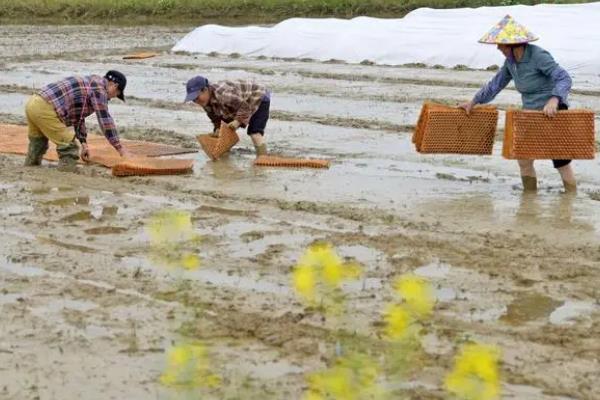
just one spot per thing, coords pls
(231, 12)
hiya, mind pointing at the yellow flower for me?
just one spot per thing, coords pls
(313, 396)
(212, 381)
(397, 322)
(170, 226)
(320, 272)
(333, 274)
(352, 377)
(322, 257)
(188, 366)
(475, 375)
(304, 281)
(178, 356)
(417, 293)
(190, 261)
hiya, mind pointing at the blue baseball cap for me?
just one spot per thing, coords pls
(194, 86)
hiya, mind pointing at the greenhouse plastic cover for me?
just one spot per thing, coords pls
(433, 37)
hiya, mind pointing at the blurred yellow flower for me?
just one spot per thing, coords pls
(305, 282)
(170, 226)
(398, 322)
(190, 261)
(352, 377)
(171, 233)
(320, 264)
(188, 366)
(475, 375)
(417, 294)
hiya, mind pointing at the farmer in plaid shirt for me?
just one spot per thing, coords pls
(57, 106)
(241, 103)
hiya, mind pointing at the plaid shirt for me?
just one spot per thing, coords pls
(234, 100)
(75, 98)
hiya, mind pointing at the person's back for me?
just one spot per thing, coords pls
(65, 103)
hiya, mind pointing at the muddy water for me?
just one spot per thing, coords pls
(77, 270)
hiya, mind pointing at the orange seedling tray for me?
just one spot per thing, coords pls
(14, 140)
(216, 147)
(274, 161)
(449, 130)
(531, 135)
(152, 166)
(139, 56)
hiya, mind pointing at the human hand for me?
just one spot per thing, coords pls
(125, 153)
(551, 107)
(468, 107)
(235, 124)
(85, 152)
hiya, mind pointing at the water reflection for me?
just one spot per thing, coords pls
(559, 213)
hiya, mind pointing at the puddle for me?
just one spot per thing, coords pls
(269, 366)
(68, 201)
(236, 229)
(526, 392)
(529, 307)
(445, 294)
(10, 298)
(270, 370)
(433, 270)
(97, 332)
(46, 189)
(490, 314)
(368, 257)
(260, 246)
(78, 216)
(249, 281)
(105, 230)
(21, 270)
(571, 310)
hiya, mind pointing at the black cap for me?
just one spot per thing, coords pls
(119, 79)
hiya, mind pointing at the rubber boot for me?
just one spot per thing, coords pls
(529, 183)
(68, 156)
(570, 187)
(36, 150)
(261, 150)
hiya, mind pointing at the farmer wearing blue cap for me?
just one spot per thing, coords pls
(241, 103)
(58, 106)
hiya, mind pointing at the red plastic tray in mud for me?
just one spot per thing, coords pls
(531, 135)
(274, 161)
(14, 140)
(449, 130)
(216, 147)
(152, 166)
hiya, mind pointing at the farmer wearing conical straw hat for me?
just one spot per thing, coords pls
(543, 84)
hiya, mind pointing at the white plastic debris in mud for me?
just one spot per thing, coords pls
(433, 37)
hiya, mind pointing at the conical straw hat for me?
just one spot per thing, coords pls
(508, 31)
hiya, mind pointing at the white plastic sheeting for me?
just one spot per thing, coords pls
(443, 37)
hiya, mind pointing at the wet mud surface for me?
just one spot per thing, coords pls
(86, 313)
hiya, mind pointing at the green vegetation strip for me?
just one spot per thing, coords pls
(226, 11)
